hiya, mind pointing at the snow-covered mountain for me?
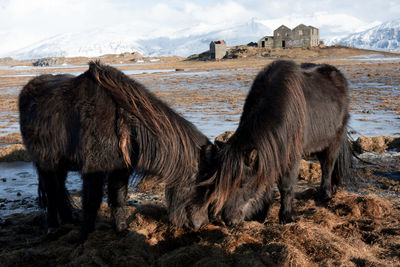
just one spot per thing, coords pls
(102, 41)
(384, 37)
(186, 41)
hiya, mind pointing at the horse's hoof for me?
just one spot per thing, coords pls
(85, 231)
(334, 189)
(121, 227)
(51, 230)
(325, 196)
(231, 223)
(287, 218)
(83, 237)
(258, 218)
(72, 218)
(53, 233)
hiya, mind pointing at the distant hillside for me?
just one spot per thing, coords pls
(185, 42)
(115, 41)
(384, 37)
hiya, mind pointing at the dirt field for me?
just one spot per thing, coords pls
(359, 227)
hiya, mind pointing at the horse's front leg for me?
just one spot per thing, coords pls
(91, 200)
(64, 206)
(286, 185)
(48, 186)
(327, 159)
(117, 192)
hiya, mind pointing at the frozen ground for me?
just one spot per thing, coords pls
(18, 187)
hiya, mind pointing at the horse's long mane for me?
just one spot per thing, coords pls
(270, 132)
(166, 144)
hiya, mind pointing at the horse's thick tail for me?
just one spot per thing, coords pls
(343, 172)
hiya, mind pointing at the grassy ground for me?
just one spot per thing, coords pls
(360, 228)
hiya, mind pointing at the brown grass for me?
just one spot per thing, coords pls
(352, 230)
(16, 152)
(14, 138)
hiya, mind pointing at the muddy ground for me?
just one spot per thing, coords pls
(359, 227)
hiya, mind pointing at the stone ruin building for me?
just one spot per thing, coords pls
(300, 36)
(217, 49)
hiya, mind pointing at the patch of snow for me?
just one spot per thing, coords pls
(384, 37)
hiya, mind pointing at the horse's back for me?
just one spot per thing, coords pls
(39, 88)
(63, 117)
(275, 91)
(327, 98)
(40, 107)
(310, 96)
(326, 82)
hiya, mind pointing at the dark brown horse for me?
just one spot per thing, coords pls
(105, 125)
(290, 111)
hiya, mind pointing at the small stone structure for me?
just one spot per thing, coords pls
(284, 37)
(266, 41)
(217, 49)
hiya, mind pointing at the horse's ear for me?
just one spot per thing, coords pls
(208, 162)
(207, 153)
(251, 158)
(219, 144)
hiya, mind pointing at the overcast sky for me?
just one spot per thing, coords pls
(23, 22)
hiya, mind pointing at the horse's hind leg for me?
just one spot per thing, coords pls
(286, 185)
(64, 207)
(91, 200)
(117, 192)
(49, 184)
(327, 159)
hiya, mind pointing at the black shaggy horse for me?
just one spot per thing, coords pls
(107, 126)
(290, 111)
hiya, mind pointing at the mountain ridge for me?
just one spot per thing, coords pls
(97, 42)
(187, 41)
(384, 37)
